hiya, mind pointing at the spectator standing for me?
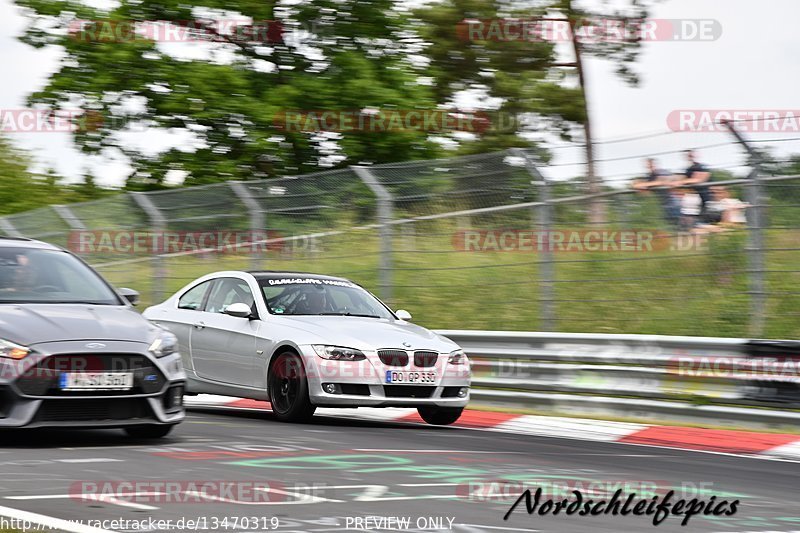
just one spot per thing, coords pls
(659, 180)
(697, 177)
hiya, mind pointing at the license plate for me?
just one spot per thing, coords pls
(410, 377)
(96, 381)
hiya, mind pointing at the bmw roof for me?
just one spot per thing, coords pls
(259, 274)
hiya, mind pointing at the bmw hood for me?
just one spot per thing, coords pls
(368, 333)
(30, 324)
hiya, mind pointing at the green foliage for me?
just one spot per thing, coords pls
(623, 53)
(518, 72)
(233, 97)
(231, 93)
(20, 190)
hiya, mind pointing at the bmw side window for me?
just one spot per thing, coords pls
(229, 291)
(193, 298)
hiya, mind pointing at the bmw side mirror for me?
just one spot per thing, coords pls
(239, 310)
(131, 295)
(402, 314)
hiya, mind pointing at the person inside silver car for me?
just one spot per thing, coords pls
(313, 301)
(17, 273)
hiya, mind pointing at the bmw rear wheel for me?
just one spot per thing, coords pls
(288, 389)
(439, 416)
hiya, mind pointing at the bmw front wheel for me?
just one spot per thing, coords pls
(288, 389)
(439, 416)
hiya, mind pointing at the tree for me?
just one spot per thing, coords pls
(20, 189)
(513, 77)
(604, 43)
(320, 55)
(87, 189)
(526, 73)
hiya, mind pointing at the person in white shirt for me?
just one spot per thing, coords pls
(722, 211)
(691, 207)
(732, 209)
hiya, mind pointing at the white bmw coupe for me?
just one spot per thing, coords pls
(303, 341)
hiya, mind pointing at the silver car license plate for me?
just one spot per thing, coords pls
(410, 377)
(96, 381)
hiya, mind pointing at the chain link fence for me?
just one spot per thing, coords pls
(476, 242)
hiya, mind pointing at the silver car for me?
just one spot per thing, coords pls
(303, 341)
(73, 351)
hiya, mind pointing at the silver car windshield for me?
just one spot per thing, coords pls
(314, 296)
(30, 275)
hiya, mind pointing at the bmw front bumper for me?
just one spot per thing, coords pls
(363, 383)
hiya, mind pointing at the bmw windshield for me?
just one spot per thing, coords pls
(30, 275)
(316, 296)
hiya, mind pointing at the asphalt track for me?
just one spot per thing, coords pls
(326, 475)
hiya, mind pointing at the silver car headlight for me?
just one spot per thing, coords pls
(13, 350)
(457, 357)
(338, 353)
(165, 344)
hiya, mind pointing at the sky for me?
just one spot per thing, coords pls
(751, 66)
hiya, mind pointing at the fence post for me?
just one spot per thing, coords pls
(755, 238)
(67, 215)
(547, 321)
(385, 217)
(258, 222)
(8, 228)
(158, 224)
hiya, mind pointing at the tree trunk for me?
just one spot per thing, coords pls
(597, 208)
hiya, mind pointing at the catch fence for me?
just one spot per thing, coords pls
(476, 242)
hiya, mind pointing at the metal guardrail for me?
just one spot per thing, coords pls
(687, 379)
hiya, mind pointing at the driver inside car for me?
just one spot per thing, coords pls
(17, 274)
(314, 302)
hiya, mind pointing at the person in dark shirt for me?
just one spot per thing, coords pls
(697, 177)
(659, 180)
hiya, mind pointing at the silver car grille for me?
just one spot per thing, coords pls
(400, 358)
(393, 357)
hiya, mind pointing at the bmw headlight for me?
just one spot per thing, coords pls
(457, 357)
(165, 344)
(12, 350)
(338, 353)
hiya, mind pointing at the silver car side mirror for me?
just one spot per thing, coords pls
(239, 310)
(402, 314)
(129, 294)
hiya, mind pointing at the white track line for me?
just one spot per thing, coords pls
(90, 460)
(105, 498)
(50, 521)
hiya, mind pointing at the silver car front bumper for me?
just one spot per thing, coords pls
(29, 397)
(368, 377)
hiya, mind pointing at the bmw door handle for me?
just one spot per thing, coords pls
(199, 325)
